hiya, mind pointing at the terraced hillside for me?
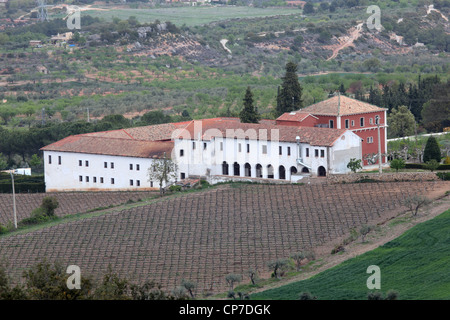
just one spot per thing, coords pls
(203, 236)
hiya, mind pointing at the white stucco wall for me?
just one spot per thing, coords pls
(210, 155)
(348, 146)
(66, 176)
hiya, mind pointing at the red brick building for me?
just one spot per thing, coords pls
(342, 112)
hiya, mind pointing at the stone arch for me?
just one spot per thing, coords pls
(321, 172)
(248, 170)
(282, 172)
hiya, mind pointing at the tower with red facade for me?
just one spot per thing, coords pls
(341, 112)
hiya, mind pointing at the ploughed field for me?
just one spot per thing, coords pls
(69, 203)
(203, 236)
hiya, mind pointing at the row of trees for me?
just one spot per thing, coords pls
(46, 281)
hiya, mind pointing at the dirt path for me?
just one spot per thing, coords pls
(347, 41)
(388, 232)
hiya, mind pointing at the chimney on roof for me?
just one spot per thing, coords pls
(339, 103)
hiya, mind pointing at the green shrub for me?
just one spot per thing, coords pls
(174, 188)
(49, 205)
(37, 216)
(3, 229)
(397, 164)
(443, 175)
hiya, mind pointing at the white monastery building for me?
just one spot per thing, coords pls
(218, 149)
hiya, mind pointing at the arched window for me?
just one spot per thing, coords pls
(321, 172)
(270, 172)
(282, 172)
(237, 169)
(248, 170)
(225, 168)
(305, 170)
(293, 170)
(259, 173)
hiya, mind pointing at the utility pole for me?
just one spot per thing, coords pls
(14, 199)
(88, 115)
(377, 120)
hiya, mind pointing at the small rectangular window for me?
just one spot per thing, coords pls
(182, 175)
(280, 150)
(322, 153)
(151, 184)
(316, 152)
(181, 153)
(138, 183)
(95, 179)
(346, 124)
(87, 163)
(353, 123)
(362, 122)
(193, 145)
(331, 124)
(204, 145)
(264, 149)
(80, 178)
(248, 148)
(112, 180)
(289, 151)
(49, 159)
(307, 152)
(105, 164)
(131, 166)
(112, 165)
(371, 120)
(87, 179)
(138, 167)
(131, 182)
(59, 159)
(80, 163)
(101, 180)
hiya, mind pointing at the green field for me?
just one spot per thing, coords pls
(191, 16)
(416, 265)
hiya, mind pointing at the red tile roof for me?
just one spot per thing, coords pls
(156, 132)
(298, 116)
(112, 146)
(340, 106)
(209, 128)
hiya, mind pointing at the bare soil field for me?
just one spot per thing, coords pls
(69, 203)
(203, 236)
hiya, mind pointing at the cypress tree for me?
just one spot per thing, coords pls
(289, 97)
(432, 150)
(249, 113)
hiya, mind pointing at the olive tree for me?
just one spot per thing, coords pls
(162, 170)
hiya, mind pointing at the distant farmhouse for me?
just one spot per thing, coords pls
(296, 3)
(315, 141)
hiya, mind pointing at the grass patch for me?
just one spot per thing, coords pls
(191, 16)
(415, 264)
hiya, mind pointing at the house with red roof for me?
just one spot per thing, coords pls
(341, 112)
(218, 149)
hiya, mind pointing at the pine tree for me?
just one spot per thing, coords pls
(249, 113)
(432, 150)
(342, 89)
(289, 97)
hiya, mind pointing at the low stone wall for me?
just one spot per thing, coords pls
(221, 179)
(391, 176)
